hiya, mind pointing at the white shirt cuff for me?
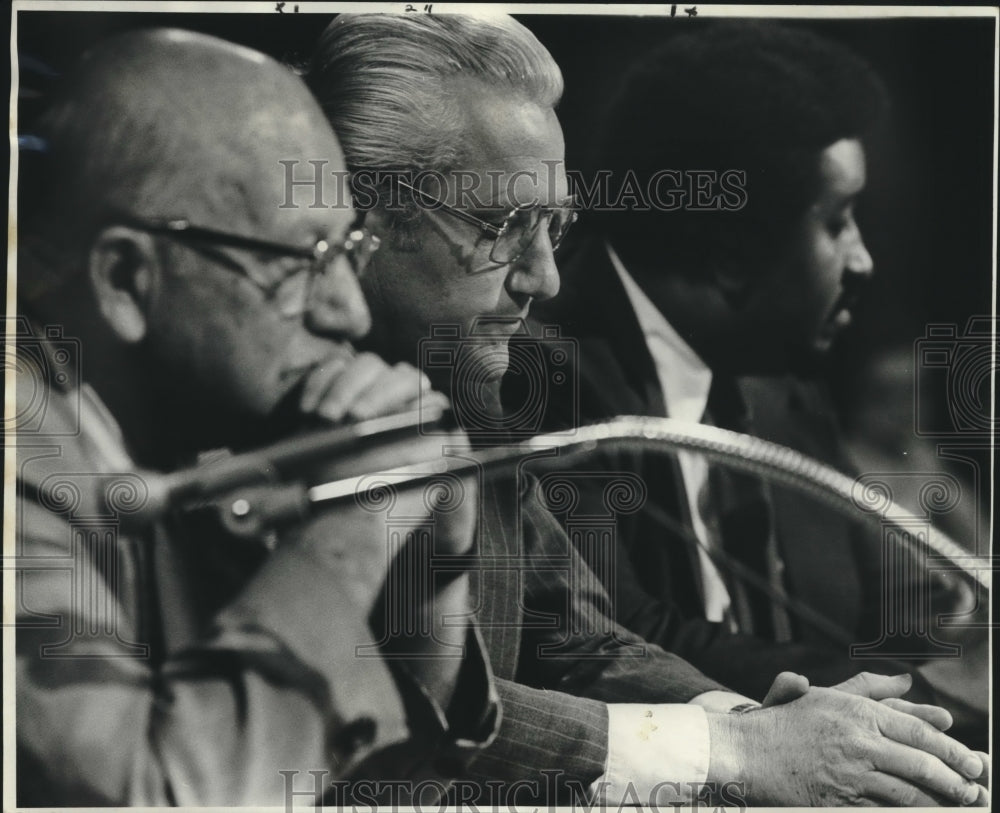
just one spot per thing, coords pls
(657, 755)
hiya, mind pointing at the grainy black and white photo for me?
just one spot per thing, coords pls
(470, 406)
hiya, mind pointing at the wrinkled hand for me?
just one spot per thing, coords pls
(787, 687)
(363, 386)
(887, 690)
(355, 388)
(384, 538)
(840, 746)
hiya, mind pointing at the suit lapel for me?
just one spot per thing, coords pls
(617, 372)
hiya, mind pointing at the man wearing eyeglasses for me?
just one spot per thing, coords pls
(175, 664)
(457, 113)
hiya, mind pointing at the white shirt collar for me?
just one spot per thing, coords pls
(684, 378)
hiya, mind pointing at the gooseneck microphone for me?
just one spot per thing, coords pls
(285, 480)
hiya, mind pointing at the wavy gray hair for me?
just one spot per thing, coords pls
(383, 81)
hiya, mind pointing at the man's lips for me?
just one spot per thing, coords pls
(842, 319)
(841, 314)
(838, 320)
(852, 288)
(500, 325)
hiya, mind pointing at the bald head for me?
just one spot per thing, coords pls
(198, 337)
(170, 123)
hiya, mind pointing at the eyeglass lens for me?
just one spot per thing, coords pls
(521, 227)
(359, 246)
(299, 289)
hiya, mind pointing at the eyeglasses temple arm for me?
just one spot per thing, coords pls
(488, 228)
(181, 228)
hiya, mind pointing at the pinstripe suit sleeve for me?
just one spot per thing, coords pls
(555, 740)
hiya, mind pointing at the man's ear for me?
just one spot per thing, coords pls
(396, 229)
(379, 223)
(124, 270)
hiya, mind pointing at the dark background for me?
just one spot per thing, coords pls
(927, 215)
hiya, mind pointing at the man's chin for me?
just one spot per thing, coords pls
(473, 384)
(811, 359)
(487, 362)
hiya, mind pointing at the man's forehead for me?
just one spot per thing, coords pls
(842, 168)
(499, 122)
(257, 185)
(512, 146)
(516, 181)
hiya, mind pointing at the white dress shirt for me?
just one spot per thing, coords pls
(658, 754)
(685, 381)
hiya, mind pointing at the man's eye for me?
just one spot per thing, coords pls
(837, 225)
(285, 266)
(840, 221)
(283, 273)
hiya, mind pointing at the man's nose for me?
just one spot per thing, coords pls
(859, 261)
(535, 273)
(336, 304)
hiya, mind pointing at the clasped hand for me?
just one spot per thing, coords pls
(858, 743)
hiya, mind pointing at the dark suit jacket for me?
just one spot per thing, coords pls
(652, 577)
(556, 651)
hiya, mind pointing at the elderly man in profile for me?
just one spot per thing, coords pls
(168, 664)
(448, 125)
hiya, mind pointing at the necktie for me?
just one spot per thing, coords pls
(737, 512)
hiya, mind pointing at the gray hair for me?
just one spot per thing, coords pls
(382, 80)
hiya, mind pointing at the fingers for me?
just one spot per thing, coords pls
(396, 389)
(787, 686)
(352, 387)
(925, 770)
(983, 778)
(432, 401)
(361, 387)
(877, 687)
(938, 717)
(914, 732)
(888, 791)
(319, 380)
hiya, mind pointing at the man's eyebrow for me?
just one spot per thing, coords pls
(841, 199)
